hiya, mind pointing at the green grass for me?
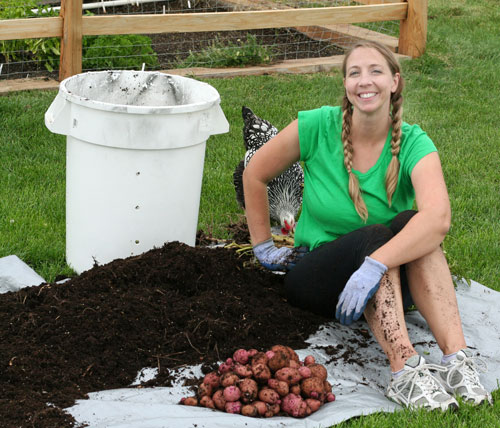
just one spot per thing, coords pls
(453, 92)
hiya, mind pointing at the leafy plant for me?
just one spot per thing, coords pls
(218, 54)
(46, 50)
(118, 52)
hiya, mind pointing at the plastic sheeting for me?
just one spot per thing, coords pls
(359, 381)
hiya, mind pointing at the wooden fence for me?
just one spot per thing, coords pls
(70, 26)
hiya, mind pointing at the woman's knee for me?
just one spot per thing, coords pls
(401, 220)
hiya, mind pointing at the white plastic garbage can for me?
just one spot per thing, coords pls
(134, 161)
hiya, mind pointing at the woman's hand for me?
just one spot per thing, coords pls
(278, 259)
(361, 286)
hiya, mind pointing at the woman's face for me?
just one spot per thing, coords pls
(369, 82)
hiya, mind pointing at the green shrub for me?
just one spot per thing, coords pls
(118, 52)
(218, 54)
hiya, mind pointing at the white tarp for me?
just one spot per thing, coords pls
(359, 388)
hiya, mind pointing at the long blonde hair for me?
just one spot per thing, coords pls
(391, 176)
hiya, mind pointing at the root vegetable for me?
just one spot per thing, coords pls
(252, 352)
(269, 396)
(232, 393)
(289, 375)
(313, 404)
(261, 372)
(274, 408)
(206, 401)
(250, 410)
(318, 370)
(305, 372)
(327, 386)
(249, 390)
(241, 356)
(229, 378)
(259, 358)
(212, 379)
(294, 364)
(261, 407)
(189, 401)
(309, 360)
(294, 405)
(278, 360)
(312, 387)
(204, 390)
(233, 407)
(243, 370)
(330, 397)
(280, 386)
(219, 400)
(295, 389)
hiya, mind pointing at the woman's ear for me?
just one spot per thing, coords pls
(395, 82)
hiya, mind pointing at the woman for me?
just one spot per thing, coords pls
(369, 253)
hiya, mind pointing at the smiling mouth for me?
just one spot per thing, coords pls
(367, 95)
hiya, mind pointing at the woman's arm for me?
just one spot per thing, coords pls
(269, 161)
(426, 230)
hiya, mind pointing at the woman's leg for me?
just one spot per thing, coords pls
(433, 293)
(385, 316)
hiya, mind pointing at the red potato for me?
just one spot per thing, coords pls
(295, 406)
(269, 396)
(232, 393)
(250, 410)
(249, 390)
(281, 387)
(259, 358)
(189, 401)
(289, 375)
(318, 370)
(278, 360)
(206, 401)
(327, 386)
(219, 400)
(274, 408)
(309, 360)
(261, 407)
(233, 407)
(226, 366)
(241, 356)
(261, 372)
(313, 387)
(305, 372)
(204, 390)
(243, 370)
(252, 352)
(295, 389)
(330, 397)
(313, 404)
(212, 379)
(229, 378)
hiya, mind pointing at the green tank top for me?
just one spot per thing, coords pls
(327, 209)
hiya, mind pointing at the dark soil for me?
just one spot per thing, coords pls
(171, 48)
(172, 306)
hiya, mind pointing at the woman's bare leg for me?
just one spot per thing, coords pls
(433, 293)
(385, 316)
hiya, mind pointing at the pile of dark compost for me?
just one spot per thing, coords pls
(172, 306)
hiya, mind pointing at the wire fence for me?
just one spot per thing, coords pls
(164, 51)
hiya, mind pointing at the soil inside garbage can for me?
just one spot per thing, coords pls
(172, 306)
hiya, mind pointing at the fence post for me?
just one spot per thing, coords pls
(71, 40)
(413, 29)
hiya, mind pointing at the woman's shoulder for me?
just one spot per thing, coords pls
(413, 131)
(321, 113)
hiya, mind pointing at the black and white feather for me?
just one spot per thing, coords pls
(285, 191)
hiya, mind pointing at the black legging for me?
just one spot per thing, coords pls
(316, 282)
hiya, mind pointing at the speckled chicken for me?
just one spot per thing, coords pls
(285, 191)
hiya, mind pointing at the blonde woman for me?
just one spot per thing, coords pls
(360, 248)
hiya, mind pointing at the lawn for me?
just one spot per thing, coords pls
(452, 92)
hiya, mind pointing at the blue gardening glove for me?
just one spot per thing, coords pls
(361, 286)
(274, 258)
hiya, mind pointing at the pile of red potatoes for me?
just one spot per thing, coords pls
(264, 384)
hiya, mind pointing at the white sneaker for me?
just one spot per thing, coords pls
(416, 387)
(462, 378)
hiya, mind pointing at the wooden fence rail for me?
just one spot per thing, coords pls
(71, 26)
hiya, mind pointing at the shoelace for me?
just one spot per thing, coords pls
(427, 382)
(469, 368)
